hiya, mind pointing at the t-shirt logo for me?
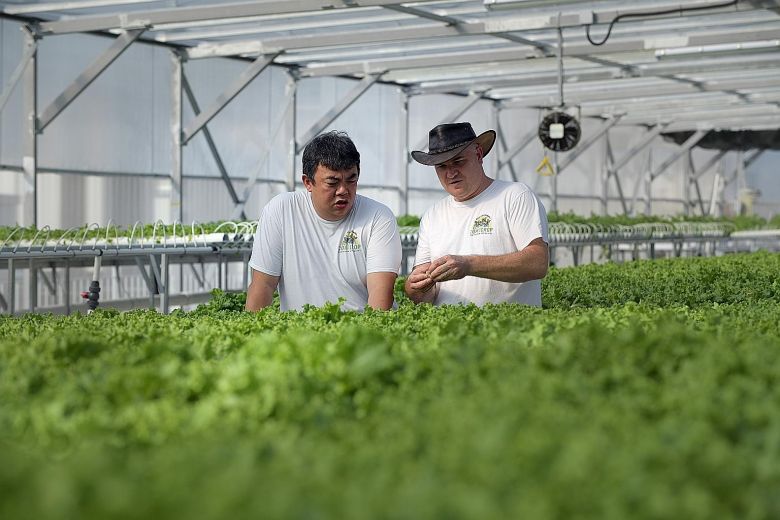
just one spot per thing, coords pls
(349, 243)
(483, 225)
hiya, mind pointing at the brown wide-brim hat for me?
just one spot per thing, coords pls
(448, 140)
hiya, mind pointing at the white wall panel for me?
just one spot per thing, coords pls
(11, 45)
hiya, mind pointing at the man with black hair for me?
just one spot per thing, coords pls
(327, 242)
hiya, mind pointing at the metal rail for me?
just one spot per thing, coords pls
(231, 244)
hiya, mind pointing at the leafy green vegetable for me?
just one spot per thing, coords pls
(617, 400)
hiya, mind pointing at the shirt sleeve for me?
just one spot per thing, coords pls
(383, 254)
(268, 247)
(528, 219)
(423, 253)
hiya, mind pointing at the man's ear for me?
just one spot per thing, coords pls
(480, 153)
(307, 182)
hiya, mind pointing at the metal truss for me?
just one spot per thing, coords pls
(715, 68)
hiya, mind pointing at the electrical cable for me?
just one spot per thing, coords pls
(679, 10)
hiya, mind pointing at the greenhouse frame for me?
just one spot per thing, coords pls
(119, 112)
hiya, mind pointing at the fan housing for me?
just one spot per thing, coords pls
(559, 131)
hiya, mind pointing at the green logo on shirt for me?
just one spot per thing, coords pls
(349, 243)
(483, 225)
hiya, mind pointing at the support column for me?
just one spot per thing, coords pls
(292, 150)
(686, 183)
(605, 173)
(177, 207)
(404, 202)
(276, 128)
(11, 291)
(67, 288)
(740, 180)
(166, 282)
(32, 284)
(30, 146)
(554, 184)
(649, 184)
(211, 144)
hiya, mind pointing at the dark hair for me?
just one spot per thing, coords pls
(333, 150)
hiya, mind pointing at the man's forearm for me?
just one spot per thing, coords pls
(529, 264)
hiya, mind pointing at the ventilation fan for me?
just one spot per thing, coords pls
(559, 132)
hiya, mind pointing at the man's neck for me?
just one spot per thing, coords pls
(483, 185)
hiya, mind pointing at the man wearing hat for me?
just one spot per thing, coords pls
(487, 241)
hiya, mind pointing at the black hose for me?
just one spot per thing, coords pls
(679, 10)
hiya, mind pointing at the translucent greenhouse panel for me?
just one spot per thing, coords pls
(11, 118)
(109, 127)
(242, 130)
(372, 122)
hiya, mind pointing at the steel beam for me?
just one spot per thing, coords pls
(50, 284)
(30, 146)
(11, 286)
(705, 113)
(177, 158)
(609, 160)
(292, 143)
(704, 169)
(31, 46)
(67, 6)
(698, 196)
(646, 140)
(506, 159)
(735, 123)
(185, 15)
(156, 275)
(687, 169)
(463, 28)
(66, 283)
(32, 287)
(433, 60)
(246, 77)
(404, 184)
(648, 68)
(358, 90)
(147, 280)
(627, 89)
(85, 79)
(540, 13)
(572, 155)
(198, 277)
(687, 145)
(165, 284)
(461, 109)
(612, 172)
(276, 127)
(211, 144)
(745, 163)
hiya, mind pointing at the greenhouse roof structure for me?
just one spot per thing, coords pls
(676, 66)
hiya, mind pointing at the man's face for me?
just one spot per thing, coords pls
(332, 192)
(463, 176)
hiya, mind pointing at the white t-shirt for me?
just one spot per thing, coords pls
(319, 260)
(503, 219)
